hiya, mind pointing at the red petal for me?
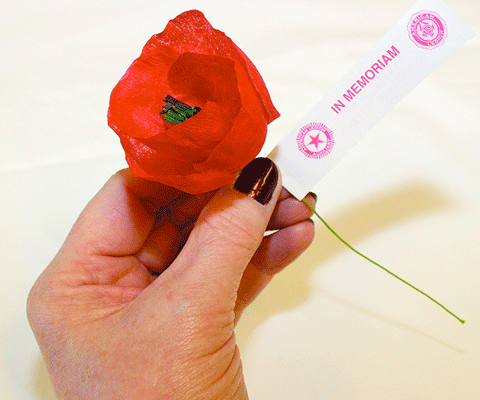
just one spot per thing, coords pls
(191, 32)
(200, 66)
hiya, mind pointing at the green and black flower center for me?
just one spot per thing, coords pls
(176, 112)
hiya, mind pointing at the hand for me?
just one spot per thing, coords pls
(142, 299)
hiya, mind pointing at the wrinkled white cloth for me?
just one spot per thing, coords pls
(332, 326)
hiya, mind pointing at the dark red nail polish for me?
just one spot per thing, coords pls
(258, 180)
(314, 195)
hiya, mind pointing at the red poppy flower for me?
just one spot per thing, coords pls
(198, 67)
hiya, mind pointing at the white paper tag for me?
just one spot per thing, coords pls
(423, 38)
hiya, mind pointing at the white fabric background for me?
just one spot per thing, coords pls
(332, 326)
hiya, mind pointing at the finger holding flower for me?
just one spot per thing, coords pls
(142, 299)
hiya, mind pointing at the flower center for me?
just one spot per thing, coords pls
(177, 112)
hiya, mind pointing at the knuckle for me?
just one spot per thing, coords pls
(234, 227)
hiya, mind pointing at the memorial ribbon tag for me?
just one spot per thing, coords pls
(423, 38)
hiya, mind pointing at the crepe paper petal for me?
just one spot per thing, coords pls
(193, 64)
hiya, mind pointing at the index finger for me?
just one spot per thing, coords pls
(149, 191)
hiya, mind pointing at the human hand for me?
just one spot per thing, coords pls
(142, 299)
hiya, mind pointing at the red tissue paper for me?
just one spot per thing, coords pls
(201, 67)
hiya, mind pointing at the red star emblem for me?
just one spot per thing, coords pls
(316, 140)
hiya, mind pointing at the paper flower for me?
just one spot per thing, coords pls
(192, 109)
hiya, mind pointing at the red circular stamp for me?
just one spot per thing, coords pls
(427, 29)
(315, 140)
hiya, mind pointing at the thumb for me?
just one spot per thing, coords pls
(228, 232)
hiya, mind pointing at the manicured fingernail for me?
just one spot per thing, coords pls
(258, 180)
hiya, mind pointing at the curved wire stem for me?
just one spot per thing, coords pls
(378, 265)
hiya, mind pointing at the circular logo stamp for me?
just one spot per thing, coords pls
(427, 29)
(315, 140)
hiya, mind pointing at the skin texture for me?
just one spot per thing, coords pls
(142, 299)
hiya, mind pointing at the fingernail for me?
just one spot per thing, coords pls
(314, 195)
(258, 180)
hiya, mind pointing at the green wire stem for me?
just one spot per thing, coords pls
(378, 265)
